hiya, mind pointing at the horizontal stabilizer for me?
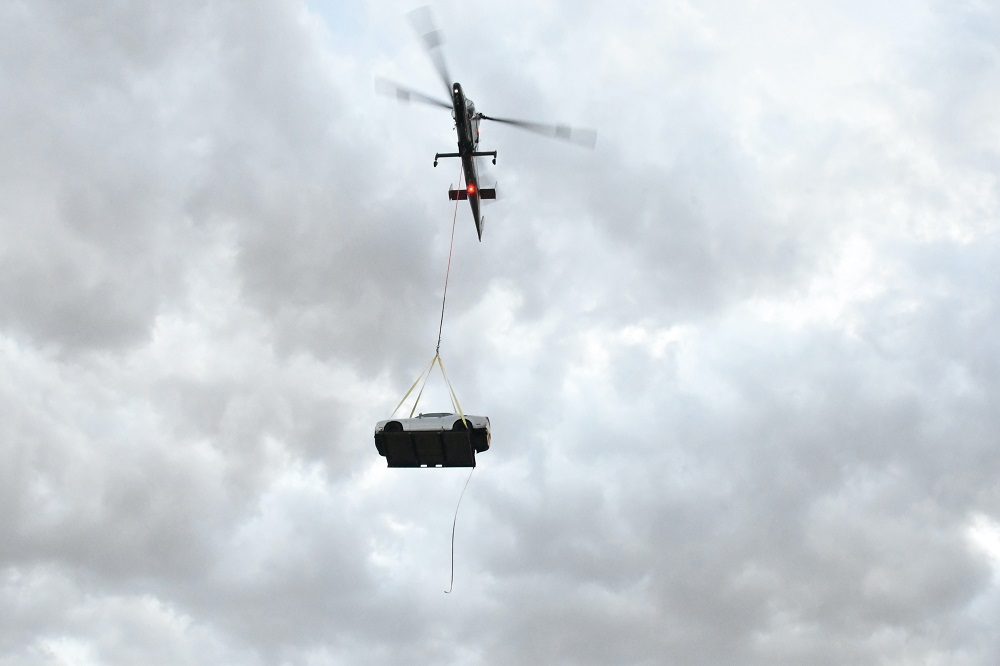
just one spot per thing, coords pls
(462, 195)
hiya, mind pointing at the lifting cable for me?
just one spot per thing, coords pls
(451, 246)
(425, 375)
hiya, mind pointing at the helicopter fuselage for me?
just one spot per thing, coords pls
(467, 128)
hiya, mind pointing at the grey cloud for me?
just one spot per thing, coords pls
(222, 263)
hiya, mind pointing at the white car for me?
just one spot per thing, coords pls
(437, 439)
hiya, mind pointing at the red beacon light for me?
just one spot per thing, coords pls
(471, 189)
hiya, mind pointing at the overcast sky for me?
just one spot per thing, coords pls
(742, 360)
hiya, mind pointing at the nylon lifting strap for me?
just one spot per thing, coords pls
(425, 375)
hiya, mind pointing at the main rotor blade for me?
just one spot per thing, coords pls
(581, 137)
(404, 94)
(423, 23)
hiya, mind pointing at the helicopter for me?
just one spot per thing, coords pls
(467, 119)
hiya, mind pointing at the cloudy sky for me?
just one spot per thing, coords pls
(741, 360)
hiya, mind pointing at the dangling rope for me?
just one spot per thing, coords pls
(451, 584)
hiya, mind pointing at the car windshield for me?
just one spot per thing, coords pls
(431, 415)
